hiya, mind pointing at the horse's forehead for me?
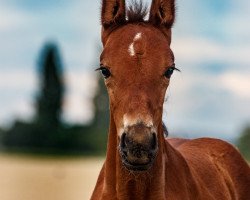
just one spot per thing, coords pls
(134, 42)
(136, 39)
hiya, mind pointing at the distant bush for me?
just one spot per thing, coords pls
(30, 138)
(244, 143)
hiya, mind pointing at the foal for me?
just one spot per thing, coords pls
(137, 64)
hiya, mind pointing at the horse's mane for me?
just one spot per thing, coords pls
(136, 12)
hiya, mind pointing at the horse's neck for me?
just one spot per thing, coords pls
(152, 184)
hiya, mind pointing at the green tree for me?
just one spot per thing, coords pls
(94, 138)
(51, 87)
(47, 133)
(101, 106)
(2, 132)
(244, 143)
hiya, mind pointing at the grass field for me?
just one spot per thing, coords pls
(29, 178)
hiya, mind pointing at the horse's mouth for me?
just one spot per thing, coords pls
(136, 166)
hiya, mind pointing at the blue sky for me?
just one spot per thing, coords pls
(211, 42)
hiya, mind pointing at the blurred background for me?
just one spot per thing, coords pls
(54, 107)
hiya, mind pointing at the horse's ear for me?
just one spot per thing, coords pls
(162, 13)
(113, 12)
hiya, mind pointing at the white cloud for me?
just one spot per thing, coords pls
(17, 89)
(10, 20)
(205, 104)
(80, 90)
(197, 50)
(17, 80)
(237, 83)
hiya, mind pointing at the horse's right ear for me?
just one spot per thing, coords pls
(162, 13)
(113, 12)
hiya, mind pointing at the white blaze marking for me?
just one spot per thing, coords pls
(131, 48)
(129, 121)
(137, 36)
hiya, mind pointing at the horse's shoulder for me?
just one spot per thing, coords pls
(217, 151)
(215, 157)
(176, 142)
(210, 151)
(210, 145)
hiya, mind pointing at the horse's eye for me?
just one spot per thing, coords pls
(169, 72)
(105, 72)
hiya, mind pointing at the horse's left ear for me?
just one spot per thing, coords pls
(113, 12)
(162, 13)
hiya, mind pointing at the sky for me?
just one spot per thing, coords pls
(211, 42)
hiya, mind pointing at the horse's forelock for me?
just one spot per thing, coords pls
(136, 12)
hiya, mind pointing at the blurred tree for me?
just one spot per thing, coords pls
(47, 133)
(244, 143)
(97, 134)
(2, 132)
(101, 105)
(51, 87)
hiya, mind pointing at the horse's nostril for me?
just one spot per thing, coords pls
(123, 143)
(154, 142)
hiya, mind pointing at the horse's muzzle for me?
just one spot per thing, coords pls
(138, 147)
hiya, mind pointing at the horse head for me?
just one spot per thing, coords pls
(137, 64)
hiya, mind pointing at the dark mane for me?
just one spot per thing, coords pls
(136, 12)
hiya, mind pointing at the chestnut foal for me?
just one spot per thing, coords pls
(137, 64)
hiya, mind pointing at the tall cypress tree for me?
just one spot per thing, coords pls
(51, 87)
